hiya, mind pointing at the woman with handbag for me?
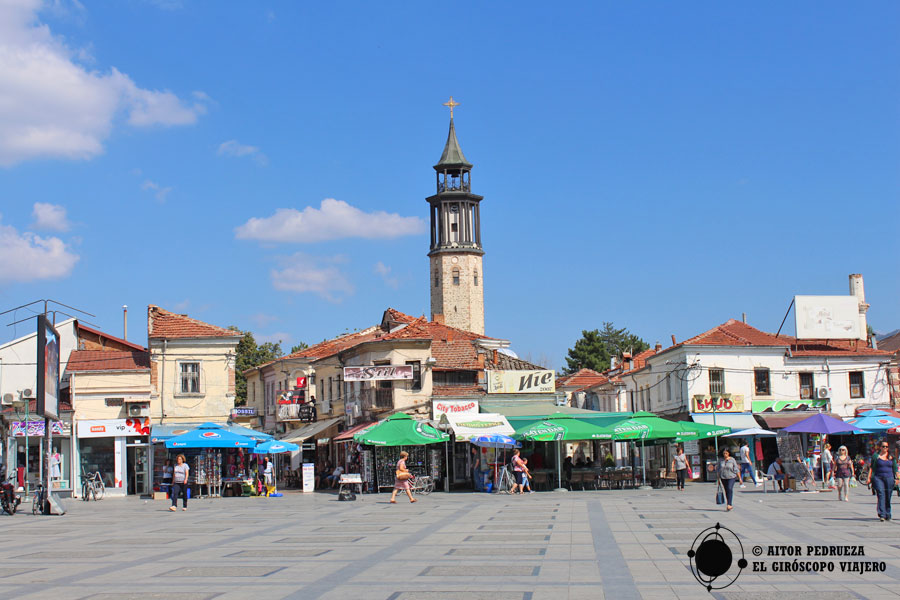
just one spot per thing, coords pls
(883, 476)
(728, 472)
(680, 466)
(843, 473)
(402, 477)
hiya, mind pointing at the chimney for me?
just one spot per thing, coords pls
(857, 289)
(744, 317)
(658, 347)
(437, 318)
(673, 339)
(125, 324)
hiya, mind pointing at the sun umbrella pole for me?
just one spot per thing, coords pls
(558, 465)
(643, 466)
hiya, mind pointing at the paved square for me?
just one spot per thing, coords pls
(546, 546)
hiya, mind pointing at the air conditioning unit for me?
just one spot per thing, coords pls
(356, 411)
(138, 410)
(28, 394)
(7, 399)
(822, 392)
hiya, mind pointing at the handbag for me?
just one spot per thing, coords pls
(720, 494)
(403, 475)
(690, 473)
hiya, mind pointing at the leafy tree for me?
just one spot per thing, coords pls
(298, 347)
(596, 347)
(250, 355)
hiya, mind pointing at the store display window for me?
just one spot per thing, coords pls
(98, 454)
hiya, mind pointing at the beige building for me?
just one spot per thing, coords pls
(191, 368)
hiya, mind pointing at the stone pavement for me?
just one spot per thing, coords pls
(579, 545)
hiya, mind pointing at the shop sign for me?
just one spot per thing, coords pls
(704, 403)
(36, 428)
(780, 405)
(521, 382)
(453, 407)
(379, 373)
(309, 477)
(692, 447)
(113, 428)
(243, 411)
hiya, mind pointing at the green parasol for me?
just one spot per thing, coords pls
(702, 431)
(562, 427)
(647, 426)
(401, 430)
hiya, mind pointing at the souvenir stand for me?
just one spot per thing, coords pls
(203, 448)
(397, 433)
(274, 448)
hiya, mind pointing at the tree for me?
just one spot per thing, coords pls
(250, 355)
(596, 347)
(298, 347)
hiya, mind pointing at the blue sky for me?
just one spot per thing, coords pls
(662, 167)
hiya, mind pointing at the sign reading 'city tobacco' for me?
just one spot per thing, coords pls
(521, 382)
(378, 373)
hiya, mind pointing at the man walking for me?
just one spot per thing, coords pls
(747, 465)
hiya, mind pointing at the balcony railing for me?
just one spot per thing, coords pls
(377, 398)
(292, 412)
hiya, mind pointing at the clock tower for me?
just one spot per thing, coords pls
(456, 281)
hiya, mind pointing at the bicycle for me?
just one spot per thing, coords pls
(92, 486)
(423, 484)
(37, 499)
(506, 481)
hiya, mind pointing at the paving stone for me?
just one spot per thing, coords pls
(461, 595)
(496, 552)
(481, 571)
(215, 572)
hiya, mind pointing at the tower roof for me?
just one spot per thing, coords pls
(452, 157)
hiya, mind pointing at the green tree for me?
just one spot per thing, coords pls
(250, 355)
(597, 346)
(298, 347)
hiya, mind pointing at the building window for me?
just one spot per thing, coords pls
(455, 275)
(476, 276)
(436, 279)
(716, 381)
(417, 375)
(761, 382)
(190, 378)
(807, 387)
(857, 386)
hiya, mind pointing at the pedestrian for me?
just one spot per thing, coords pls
(520, 471)
(269, 476)
(747, 465)
(776, 472)
(401, 480)
(843, 471)
(526, 483)
(477, 478)
(680, 465)
(728, 473)
(827, 464)
(180, 475)
(883, 476)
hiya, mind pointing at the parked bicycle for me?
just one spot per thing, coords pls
(37, 499)
(423, 484)
(92, 486)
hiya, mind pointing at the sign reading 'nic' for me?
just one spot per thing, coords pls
(521, 382)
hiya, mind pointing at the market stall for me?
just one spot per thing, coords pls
(274, 448)
(204, 448)
(401, 432)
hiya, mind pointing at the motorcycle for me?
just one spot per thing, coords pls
(9, 499)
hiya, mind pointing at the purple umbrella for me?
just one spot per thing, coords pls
(823, 424)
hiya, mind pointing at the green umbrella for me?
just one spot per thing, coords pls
(560, 426)
(702, 431)
(647, 426)
(401, 430)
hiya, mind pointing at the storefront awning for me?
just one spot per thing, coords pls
(347, 436)
(160, 433)
(736, 421)
(308, 431)
(783, 419)
(469, 425)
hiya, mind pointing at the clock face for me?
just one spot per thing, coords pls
(454, 260)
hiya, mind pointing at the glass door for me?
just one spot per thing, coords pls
(139, 469)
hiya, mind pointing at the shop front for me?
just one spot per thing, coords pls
(707, 448)
(25, 444)
(119, 449)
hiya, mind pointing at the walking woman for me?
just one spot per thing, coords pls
(520, 471)
(401, 481)
(180, 475)
(883, 476)
(679, 465)
(843, 471)
(728, 472)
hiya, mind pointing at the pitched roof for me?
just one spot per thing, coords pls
(457, 390)
(102, 334)
(452, 348)
(581, 379)
(162, 323)
(108, 360)
(453, 154)
(891, 344)
(395, 316)
(505, 362)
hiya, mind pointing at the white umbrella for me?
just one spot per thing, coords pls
(750, 432)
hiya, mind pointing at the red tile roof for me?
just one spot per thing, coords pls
(581, 379)
(891, 344)
(397, 316)
(457, 390)
(99, 333)
(162, 323)
(452, 348)
(108, 360)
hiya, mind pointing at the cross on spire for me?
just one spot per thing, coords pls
(451, 104)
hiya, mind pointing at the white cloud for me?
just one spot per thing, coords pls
(262, 319)
(385, 272)
(334, 219)
(159, 191)
(53, 106)
(50, 216)
(279, 337)
(320, 275)
(29, 257)
(236, 149)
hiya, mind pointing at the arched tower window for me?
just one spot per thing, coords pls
(455, 275)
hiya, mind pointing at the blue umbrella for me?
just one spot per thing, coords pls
(821, 423)
(275, 447)
(874, 420)
(495, 440)
(210, 435)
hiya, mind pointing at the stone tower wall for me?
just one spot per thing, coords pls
(462, 305)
